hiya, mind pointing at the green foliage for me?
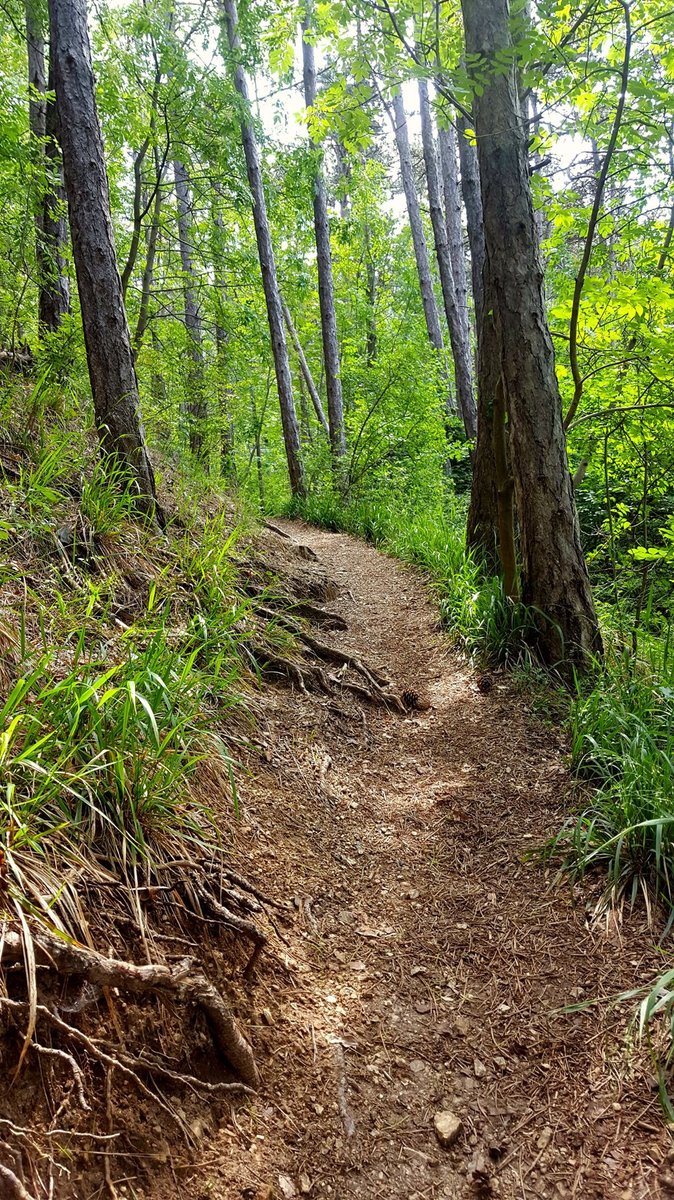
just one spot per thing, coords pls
(622, 744)
(105, 726)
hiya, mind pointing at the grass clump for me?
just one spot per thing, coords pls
(122, 655)
(622, 744)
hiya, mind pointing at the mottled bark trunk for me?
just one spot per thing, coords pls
(554, 576)
(50, 222)
(326, 288)
(197, 412)
(106, 330)
(472, 200)
(421, 258)
(482, 524)
(291, 433)
(463, 371)
(483, 512)
(453, 225)
(305, 369)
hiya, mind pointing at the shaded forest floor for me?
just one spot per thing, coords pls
(429, 958)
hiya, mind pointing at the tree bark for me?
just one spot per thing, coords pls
(227, 432)
(452, 194)
(371, 273)
(106, 331)
(304, 368)
(291, 433)
(482, 524)
(429, 305)
(326, 287)
(460, 351)
(50, 224)
(148, 270)
(554, 576)
(196, 407)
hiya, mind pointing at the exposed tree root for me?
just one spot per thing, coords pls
(153, 979)
(11, 1181)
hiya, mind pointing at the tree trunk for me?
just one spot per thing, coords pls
(482, 524)
(291, 433)
(106, 331)
(431, 314)
(326, 288)
(304, 368)
(450, 184)
(554, 576)
(227, 432)
(460, 351)
(148, 270)
(197, 412)
(50, 224)
(371, 339)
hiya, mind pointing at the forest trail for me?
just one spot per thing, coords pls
(428, 957)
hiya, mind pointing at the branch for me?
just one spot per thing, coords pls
(594, 218)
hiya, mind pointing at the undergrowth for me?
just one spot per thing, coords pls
(121, 655)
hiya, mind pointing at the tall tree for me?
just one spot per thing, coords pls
(291, 432)
(554, 576)
(106, 331)
(421, 258)
(196, 408)
(452, 195)
(461, 352)
(50, 223)
(326, 287)
(483, 522)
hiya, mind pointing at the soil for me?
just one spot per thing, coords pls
(432, 956)
(428, 958)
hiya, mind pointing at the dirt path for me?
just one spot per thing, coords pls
(428, 957)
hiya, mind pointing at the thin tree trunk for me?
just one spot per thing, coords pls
(148, 270)
(482, 524)
(504, 492)
(460, 351)
(305, 420)
(429, 305)
(227, 432)
(554, 576)
(50, 224)
(106, 331)
(344, 178)
(450, 183)
(305, 369)
(140, 210)
(326, 287)
(291, 433)
(197, 411)
(371, 338)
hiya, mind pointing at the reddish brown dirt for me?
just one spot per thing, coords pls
(430, 957)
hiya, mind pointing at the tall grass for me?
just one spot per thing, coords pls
(622, 744)
(105, 723)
